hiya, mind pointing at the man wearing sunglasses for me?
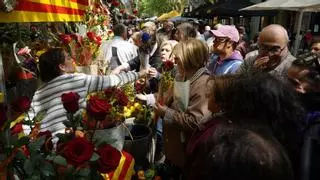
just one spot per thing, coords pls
(225, 59)
(273, 54)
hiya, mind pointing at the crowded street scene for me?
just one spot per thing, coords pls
(159, 89)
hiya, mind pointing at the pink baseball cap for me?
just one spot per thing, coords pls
(227, 31)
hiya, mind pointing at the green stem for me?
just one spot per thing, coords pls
(29, 119)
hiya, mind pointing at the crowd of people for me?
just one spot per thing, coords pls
(251, 111)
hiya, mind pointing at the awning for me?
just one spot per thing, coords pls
(45, 11)
(292, 5)
(168, 15)
(300, 6)
(229, 9)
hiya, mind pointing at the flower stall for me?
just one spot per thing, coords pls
(94, 139)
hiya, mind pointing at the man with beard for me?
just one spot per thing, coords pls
(225, 59)
(273, 54)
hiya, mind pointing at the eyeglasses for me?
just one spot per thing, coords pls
(220, 39)
(315, 49)
(271, 49)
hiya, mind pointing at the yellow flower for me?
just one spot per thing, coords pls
(132, 108)
(127, 114)
(137, 105)
(38, 54)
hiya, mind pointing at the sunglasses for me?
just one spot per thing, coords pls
(220, 39)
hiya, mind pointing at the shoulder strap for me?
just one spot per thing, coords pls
(114, 62)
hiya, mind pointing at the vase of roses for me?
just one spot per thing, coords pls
(83, 49)
(102, 118)
(77, 155)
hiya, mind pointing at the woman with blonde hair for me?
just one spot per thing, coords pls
(166, 49)
(189, 106)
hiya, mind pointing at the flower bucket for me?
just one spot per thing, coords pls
(114, 136)
(90, 69)
(140, 145)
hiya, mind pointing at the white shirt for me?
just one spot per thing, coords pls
(125, 50)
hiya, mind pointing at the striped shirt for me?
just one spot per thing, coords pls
(48, 97)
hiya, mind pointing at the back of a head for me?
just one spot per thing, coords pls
(151, 29)
(49, 64)
(235, 153)
(267, 102)
(188, 30)
(192, 53)
(119, 29)
(266, 97)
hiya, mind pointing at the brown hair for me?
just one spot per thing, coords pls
(192, 53)
(49, 63)
(231, 152)
(189, 31)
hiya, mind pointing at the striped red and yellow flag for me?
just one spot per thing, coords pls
(125, 169)
(46, 11)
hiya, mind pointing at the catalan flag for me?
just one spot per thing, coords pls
(125, 169)
(45, 11)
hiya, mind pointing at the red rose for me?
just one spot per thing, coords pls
(91, 35)
(91, 124)
(168, 65)
(78, 151)
(98, 40)
(16, 129)
(121, 11)
(70, 101)
(122, 98)
(66, 39)
(74, 36)
(115, 3)
(25, 150)
(98, 108)
(109, 158)
(78, 45)
(109, 92)
(48, 146)
(135, 11)
(3, 114)
(22, 104)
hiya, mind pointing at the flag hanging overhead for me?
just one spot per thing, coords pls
(45, 11)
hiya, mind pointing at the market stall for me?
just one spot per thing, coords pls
(109, 145)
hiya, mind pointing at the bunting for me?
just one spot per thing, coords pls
(46, 11)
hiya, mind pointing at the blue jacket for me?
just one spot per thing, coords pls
(227, 66)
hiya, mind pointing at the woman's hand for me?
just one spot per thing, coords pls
(152, 72)
(143, 72)
(141, 97)
(118, 69)
(160, 109)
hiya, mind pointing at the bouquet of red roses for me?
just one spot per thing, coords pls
(84, 49)
(34, 156)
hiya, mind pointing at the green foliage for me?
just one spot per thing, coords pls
(95, 157)
(60, 160)
(158, 7)
(12, 32)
